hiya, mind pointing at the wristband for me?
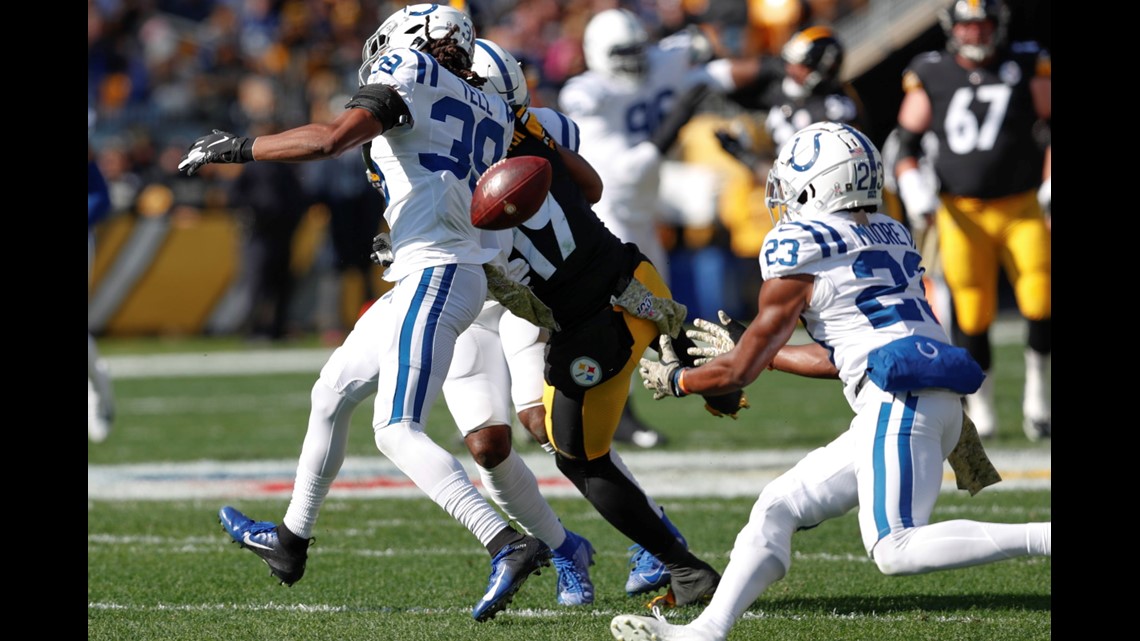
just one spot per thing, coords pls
(677, 382)
(245, 153)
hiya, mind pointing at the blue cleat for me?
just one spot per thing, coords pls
(510, 568)
(646, 572)
(574, 585)
(260, 537)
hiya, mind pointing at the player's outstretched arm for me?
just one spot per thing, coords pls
(781, 302)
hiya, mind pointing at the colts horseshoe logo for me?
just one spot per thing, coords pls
(815, 154)
(931, 354)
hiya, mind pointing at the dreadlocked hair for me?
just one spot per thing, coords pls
(447, 52)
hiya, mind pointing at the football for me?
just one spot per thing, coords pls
(510, 192)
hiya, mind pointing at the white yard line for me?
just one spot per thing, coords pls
(718, 474)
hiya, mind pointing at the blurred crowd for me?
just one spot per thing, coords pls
(163, 72)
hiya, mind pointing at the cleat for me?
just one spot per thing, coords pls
(510, 568)
(629, 627)
(574, 585)
(646, 573)
(261, 538)
(1037, 429)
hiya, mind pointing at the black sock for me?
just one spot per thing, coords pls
(506, 537)
(291, 541)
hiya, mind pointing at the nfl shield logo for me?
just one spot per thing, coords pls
(586, 371)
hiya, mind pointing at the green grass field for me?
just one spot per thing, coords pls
(401, 569)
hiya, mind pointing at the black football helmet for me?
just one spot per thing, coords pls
(975, 11)
(818, 49)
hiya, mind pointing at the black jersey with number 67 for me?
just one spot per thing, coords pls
(983, 119)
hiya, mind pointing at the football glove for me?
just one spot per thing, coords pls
(217, 147)
(382, 250)
(718, 338)
(918, 198)
(518, 298)
(661, 376)
(725, 339)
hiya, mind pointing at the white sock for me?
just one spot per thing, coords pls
(1036, 402)
(513, 487)
(322, 454)
(749, 573)
(309, 492)
(440, 475)
(980, 407)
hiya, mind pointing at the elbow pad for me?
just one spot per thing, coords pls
(384, 103)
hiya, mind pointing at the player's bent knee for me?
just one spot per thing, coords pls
(489, 446)
(329, 403)
(894, 558)
(770, 528)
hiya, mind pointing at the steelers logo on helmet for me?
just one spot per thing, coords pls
(586, 371)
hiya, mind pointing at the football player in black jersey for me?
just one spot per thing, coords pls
(987, 103)
(803, 87)
(611, 304)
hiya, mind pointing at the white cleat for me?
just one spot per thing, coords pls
(629, 627)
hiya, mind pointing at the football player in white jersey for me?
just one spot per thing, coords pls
(432, 133)
(853, 275)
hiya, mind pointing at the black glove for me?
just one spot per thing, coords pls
(382, 250)
(218, 147)
(666, 133)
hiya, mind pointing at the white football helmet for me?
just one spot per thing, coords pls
(615, 44)
(411, 26)
(824, 167)
(503, 72)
